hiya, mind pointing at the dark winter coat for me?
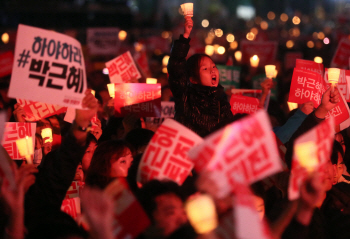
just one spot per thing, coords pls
(203, 109)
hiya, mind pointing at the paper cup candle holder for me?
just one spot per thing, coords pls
(333, 76)
(254, 61)
(26, 148)
(270, 71)
(111, 90)
(187, 9)
(47, 133)
(307, 155)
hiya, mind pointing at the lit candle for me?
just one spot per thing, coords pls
(93, 92)
(111, 90)
(254, 61)
(270, 71)
(275, 74)
(25, 148)
(47, 133)
(187, 9)
(292, 106)
(307, 155)
(151, 81)
(238, 56)
(201, 213)
(333, 76)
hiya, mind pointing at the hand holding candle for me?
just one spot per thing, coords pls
(270, 71)
(111, 90)
(26, 148)
(254, 61)
(333, 76)
(307, 155)
(187, 9)
(46, 134)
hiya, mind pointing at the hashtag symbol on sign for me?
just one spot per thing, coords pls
(23, 60)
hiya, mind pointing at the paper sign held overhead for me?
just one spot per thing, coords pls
(244, 151)
(122, 69)
(166, 154)
(51, 65)
(343, 84)
(37, 110)
(15, 131)
(322, 136)
(309, 66)
(137, 98)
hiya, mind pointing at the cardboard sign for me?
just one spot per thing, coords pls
(48, 67)
(309, 66)
(72, 207)
(243, 151)
(138, 98)
(322, 135)
(103, 41)
(38, 110)
(266, 51)
(229, 76)
(243, 104)
(343, 84)
(306, 86)
(74, 189)
(245, 213)
(166, 154)
(6, 62)
(122, 69)
(14, 131)
(342, 54)
(129, 217)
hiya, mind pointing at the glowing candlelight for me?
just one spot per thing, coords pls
(333, 76)
(25, 148)
(111, 90)
(151, 81)
(201, 213)
(187, 9)
(292, 106)
(254, 61)
(238, 56)
(47, 133)
(270, 71)
(307, 155)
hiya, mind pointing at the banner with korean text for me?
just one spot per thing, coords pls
(48, 67)
(129, 217)
(309, 66)
(322, 136)
(38, 110)
(137, 98)
(166, 154)
(243, 151)
(15, 131)
(122, 69)
(243, 104)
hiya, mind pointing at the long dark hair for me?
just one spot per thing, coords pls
(98, 173)
(192, 66)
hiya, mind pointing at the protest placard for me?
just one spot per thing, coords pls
(243, 104)
(103, 41)
(74, 189)
(51, 65)
(122, 69)
(265, 50)
(72, 207)
(229, 76)
(322, 136)
(166, 154)
(343, 84)
(245, 151)
(141, 99)
(129, 217)
(168, 111)
(38, 110)
(309, 66)
(6, 62)
(15, 131)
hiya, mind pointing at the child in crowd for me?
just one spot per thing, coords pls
(200, 102)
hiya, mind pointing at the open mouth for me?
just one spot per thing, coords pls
(213, 80)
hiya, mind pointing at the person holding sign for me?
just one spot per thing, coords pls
(43, 200)
(200, 102)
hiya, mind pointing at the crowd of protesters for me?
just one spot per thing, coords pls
(113, 150)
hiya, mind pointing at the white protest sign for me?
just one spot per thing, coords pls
(166, 154)
(103, 41)
(245, 150)
(323, 136)
(122, 69)
(38, 110)
(48, 67)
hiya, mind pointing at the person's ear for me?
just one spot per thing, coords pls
(192, 80)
